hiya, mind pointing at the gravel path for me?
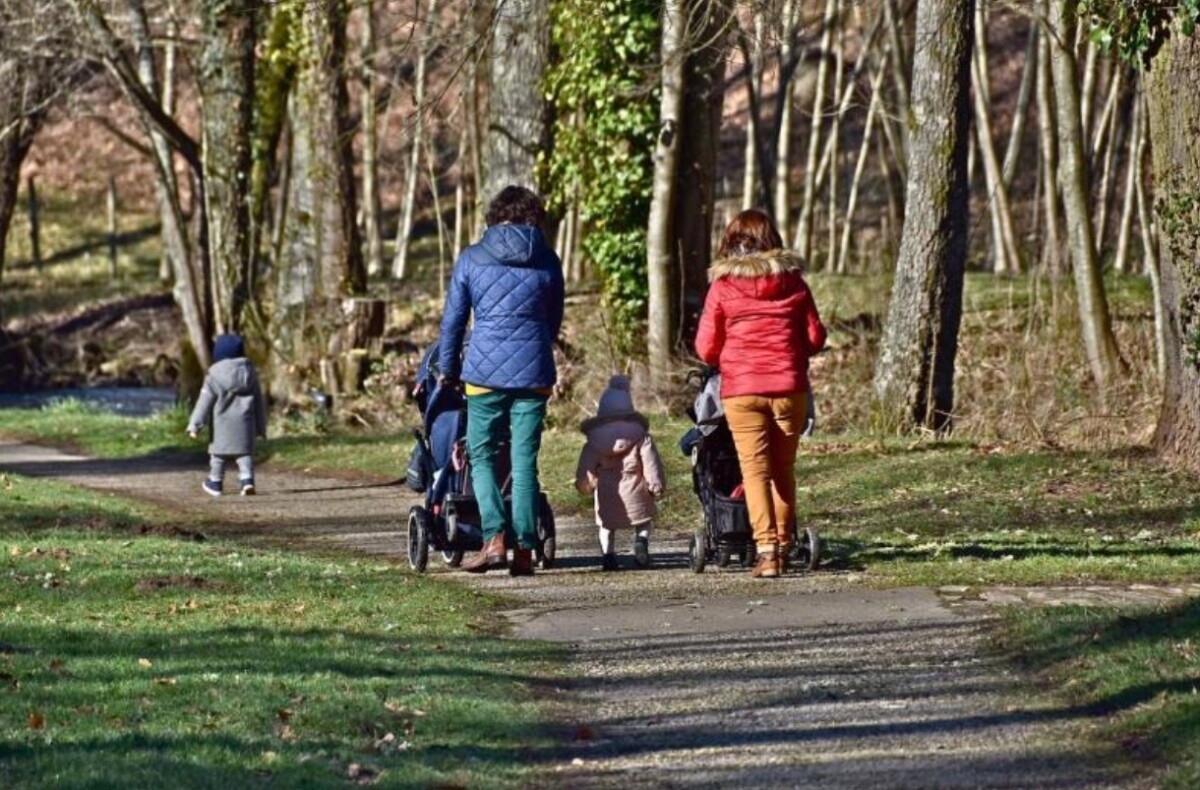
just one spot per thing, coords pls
(684, 680)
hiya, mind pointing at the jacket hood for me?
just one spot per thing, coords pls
(770, 275)
(235, 376)
(616, 436)
(756, 264)
(513, 245)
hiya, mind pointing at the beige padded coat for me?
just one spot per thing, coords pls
(620, 464)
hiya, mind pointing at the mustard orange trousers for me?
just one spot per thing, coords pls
(766, 431)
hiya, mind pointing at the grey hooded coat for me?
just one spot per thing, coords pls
(233, 400)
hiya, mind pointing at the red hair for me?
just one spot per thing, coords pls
(751, 231)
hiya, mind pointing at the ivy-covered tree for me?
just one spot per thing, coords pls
(1161, 37)
(606, 103)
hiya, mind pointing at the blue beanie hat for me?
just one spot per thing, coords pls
(228, 347)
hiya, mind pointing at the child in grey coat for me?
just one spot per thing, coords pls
(620, 466)
(233, 401)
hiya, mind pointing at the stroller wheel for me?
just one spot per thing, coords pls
(545, 553)
(453, 557)
(418, 538)
(697, 552)
(547, 535)
(749, 555)
(723, 557)
(806, 552)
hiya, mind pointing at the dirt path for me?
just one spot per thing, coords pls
(679, 680)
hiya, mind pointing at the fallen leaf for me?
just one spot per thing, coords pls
(145, 663)
(36, 721)
(584, 734)
(165, 681)
(284, 714)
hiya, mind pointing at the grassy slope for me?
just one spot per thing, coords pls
(146, 660)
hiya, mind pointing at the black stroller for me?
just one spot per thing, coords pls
(716, 479)
(440, 468)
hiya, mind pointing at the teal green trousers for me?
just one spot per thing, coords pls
(491, 416)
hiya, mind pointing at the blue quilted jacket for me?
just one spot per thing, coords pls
(513, 283)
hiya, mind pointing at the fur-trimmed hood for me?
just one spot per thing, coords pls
(756, 264)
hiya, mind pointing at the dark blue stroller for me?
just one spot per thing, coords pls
(440, 468)
(717, 480)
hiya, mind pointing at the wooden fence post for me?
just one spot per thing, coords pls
(35, 231)
(112, 228)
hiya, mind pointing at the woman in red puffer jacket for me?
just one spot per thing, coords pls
(759, 328)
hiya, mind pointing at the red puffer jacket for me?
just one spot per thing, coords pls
(760, 324)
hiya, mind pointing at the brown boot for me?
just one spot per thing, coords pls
(491, 557)
(522, 562)
(766, 566)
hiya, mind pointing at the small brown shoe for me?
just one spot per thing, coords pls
(491, 557)
(766, 566)
(522, 562)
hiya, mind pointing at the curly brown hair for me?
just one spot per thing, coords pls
(515, 205)
(749, 232)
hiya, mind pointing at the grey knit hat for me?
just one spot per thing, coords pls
(616, 403)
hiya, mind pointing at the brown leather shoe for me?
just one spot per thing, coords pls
(766, 566)
(522, 562)
(491, 557)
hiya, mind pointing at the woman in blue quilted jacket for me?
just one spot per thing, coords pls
(511, 283)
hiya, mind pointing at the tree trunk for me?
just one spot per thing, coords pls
(411, 176)
(914, 377)
(1012, 154)
(802, 242)
(322, 259)
(752, 51)
(661, 267)
(226, 70)
(695, 193)
(519, 125)
(1176, 157)
(1048, 147)
(175, 253)
(901, 74)
(860, 165)
(372, 227)
(1129, 201)
(783, 118)
(1095, 323)
(1004, 239)
(24, 99)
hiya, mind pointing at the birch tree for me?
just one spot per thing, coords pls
(660, 236)
(1095, 321)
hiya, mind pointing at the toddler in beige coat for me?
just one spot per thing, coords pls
(621, 468)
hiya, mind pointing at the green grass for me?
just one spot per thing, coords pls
(74, 248)
(130, 658)
(80, 426)
(1139, 670)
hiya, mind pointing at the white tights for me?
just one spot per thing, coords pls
(608, 537)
